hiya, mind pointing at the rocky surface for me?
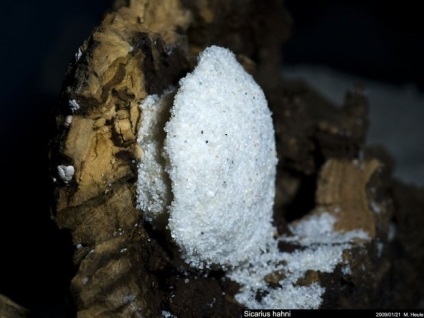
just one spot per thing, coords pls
(127, 268)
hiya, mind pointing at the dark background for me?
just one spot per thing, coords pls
(38, 40)
(381, 40)
(374, 39)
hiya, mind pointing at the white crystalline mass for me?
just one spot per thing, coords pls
(73, 105)
(221, 148)
(153, 187)
(65, 172)
(319, 229)
(219, 153)
(323, 251)
(167, 314)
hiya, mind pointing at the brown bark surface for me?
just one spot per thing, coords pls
(9, 309)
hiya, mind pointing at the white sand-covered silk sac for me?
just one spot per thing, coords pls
(220, 156)
(209, 166)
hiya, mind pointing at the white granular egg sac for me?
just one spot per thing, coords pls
(221, 160)
(209, 166)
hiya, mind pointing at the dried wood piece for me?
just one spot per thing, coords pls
(342, 192)
(135, 52)
(10, 309)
